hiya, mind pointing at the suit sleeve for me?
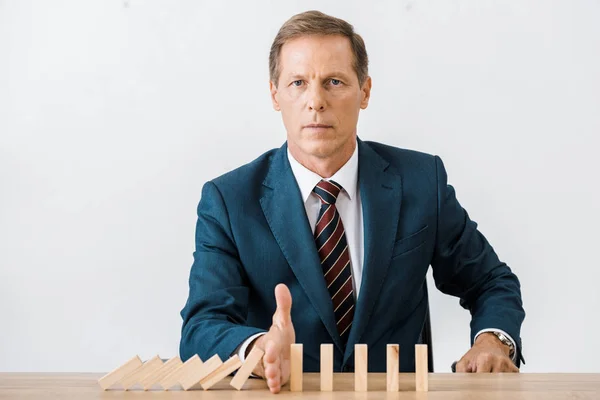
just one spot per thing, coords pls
(214, 316)
(465, 265)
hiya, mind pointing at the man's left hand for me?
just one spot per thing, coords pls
(488, 354)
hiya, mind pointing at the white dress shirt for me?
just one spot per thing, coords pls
(349, 207)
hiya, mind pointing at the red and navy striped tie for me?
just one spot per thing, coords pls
(335, 256)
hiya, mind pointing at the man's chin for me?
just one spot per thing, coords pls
(321, 151)
(321, 147)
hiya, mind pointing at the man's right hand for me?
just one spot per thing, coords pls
(275, 364)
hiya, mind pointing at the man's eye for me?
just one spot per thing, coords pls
(297, 83)
(336, 82)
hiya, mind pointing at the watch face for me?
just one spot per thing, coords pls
(504, 340)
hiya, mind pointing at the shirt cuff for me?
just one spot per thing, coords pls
(241, 350)
(514, 356)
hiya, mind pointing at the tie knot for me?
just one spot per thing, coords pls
(327, 191)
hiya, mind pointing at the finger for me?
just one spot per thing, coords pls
(484, 363)
(272, 371)
(275, 389)
(273, 375)
(463, 366)
(472, 366)
(283, 298)
(285, 371)
(274, 384)
(272, 350)
(505, 365)
(499, 366)
(271, 360)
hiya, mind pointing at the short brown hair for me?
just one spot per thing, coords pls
(317, 23)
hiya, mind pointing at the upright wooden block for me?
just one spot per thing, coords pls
(193, 363)
(221, 372)
(361, 360)
(119, 373)
(296, 370)
(244, 372)
(144, 370)
(393, 367)
(326, 367)
(151, 379)
(421, 368)
(192, 378)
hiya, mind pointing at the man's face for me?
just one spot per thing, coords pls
(319, 95)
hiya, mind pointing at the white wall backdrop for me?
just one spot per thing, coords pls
(114, 113)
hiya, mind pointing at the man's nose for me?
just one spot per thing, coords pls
(316, 100)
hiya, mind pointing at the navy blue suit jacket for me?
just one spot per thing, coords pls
(252, 233)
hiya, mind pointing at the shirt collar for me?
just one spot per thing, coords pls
(346, 176)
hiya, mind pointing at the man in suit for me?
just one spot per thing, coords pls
(328, 239)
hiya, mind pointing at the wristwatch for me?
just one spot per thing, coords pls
(502, 337)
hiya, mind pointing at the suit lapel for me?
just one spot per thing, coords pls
(284, 210)
(381, 194)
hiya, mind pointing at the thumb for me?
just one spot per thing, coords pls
(283, 298)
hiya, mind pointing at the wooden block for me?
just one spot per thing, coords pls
(135, 376)
(393, 367)
(421, 368)
(361, 360)
(221, 372)
(244, 372)
(119, 373)
(173, 378)
(296, 354)
(191, 379)
(151, 379)
(326, 367)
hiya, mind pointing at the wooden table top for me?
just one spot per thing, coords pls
(83, 386)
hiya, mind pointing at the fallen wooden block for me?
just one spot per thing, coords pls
(221, 372)
(421, 368)
(393, 367)
(193, 377)
(119, 373)
(145, 369)
(326, 367)
(361, 360)
(244, 372)
(171, 379)
(155, 377)
(296, 370)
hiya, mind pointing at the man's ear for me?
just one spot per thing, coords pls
(273, 90)
(365, 93)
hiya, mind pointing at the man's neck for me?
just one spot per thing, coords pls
(325, 167)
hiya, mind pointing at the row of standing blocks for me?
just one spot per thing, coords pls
(196, 374)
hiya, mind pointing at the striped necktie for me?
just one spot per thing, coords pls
(335, 256)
